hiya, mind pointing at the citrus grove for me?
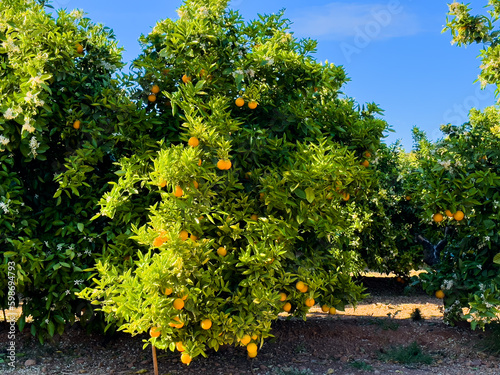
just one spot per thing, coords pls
(225, 180)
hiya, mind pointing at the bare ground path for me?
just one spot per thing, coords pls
(356, 341)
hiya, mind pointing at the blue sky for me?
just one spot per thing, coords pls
(393, 51)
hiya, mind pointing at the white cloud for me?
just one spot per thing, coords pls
(341, 21)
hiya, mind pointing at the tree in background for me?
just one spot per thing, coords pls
(251, 207)
(64, 120)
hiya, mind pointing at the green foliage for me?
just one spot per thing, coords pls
(51, 173)
(361, 365)
(461, 172)
(288, 209)
(407, 355)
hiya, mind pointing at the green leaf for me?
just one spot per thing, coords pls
(496, 258)
(80, 227)
(9, 254)
(310, 194)
(51, 328)
(300, 193)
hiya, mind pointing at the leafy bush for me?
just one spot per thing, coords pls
(253, 203)
(411, 354)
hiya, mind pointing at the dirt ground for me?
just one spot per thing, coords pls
(356, 341)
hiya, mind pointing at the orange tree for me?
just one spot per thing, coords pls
(387, 241)
(460, 186)
(250, 205)
(63, 121)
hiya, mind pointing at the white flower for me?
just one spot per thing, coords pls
(27, 126)
(34, 146)
(9, 114)
(5, 206)
(35, 80)
(77, 13)
(78, 282)
(181, 13)
(67, 291)
(487, 238)
(203, 11)
(250, 72)
(4, 140)
(88, 252)
(47, 321)
(480, 266)
(60, 246)
(269, 60)
(29, 96)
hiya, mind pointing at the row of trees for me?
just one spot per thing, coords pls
(232, 179)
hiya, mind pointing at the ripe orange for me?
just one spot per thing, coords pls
(178, 191)
(224, 164)
(282, 297)
(152, 98)
(76, 124)
(437, 217)
(245, 339)
(300, 285)
(458, 216)
(185, 358)
(167, 291)
(222, 251)
(252, 104)
(228, 164)
(79, 48)
(332, 311)
(183, 235)
(439, 294)
(304, 289)
(365, 163)
(162, 183)
(448, 213)
(254, 217)
(155, 89)
(252, 354)
(184, 297)
(186, 79)
(346, 196)
(193, 141)
(180, 347)
(196, 184)
(287, 306)
(309, 302)
(206, 324)
(199, 162)
(252, 347)
(155, 332)
(176, 325)
(193, 238)
(408, 198)
(367, 154)
(325, 308)
(158, 241)
(178, 304)
(240, 102)
(255, 336)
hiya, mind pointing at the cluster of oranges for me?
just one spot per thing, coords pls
(240, 102)
(458, 216)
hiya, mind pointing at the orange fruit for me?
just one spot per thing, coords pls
(167, 291)
(252, 104)
(240, 102)
(287, 306)
(178, 191)
(165, 71)
(252, 354)
(304, 289)
(152, 98)
(155, 89)
(458, 216)
(309, 302)
(178, 304)
(186, 79)
(224, 164)
(185, 358)
(155, 332)
(367, 154)
(262, 196)
(228, 164)
(196, 184)
(158, 241)
(255, 336)
(184, 297)
(365, 163)
(325, 308)
(193, 238)
(345, 196)
(176, 325)
(245, 339)
(439, 294)
(162, 183)
(437, 217)
(448, 213)
(199, 162)
(300, 285)
(79, 48)
(183, 235)
(193, 141)
(408, 198)
(282, 297)
(180, 347)
(206, 324)
(254, 217)
(332, 311)
(222, 251)
(252, 347)
(76, 124)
